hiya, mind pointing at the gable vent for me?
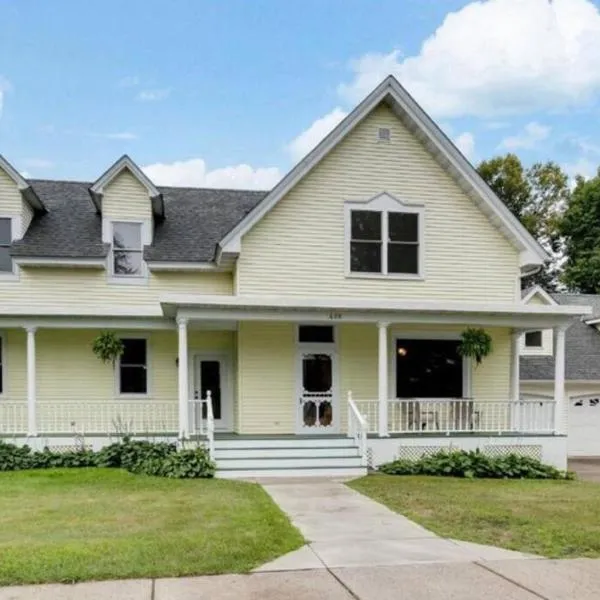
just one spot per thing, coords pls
(384, 134)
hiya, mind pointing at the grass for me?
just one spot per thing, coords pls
(558, 519)
(91, 524)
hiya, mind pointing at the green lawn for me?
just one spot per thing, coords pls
(82, 524)
(559, 519)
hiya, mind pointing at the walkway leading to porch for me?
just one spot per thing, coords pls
(346, 529)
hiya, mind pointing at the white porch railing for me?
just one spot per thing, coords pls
(136, 417)
(202, 420)
(357, 428)
(447, 416)
(13, 417)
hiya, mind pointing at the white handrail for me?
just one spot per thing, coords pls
(357, 428)
(210, 425)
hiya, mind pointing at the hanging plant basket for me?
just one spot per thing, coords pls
(108, 347)
(475, 343)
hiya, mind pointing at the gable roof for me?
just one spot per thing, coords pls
(197, 219)
(582, 346)
(536, 290)
(24, 187)
(125, 163)
(413, 116)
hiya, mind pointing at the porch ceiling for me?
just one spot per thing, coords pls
(369, 310)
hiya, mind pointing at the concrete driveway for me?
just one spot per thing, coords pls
(508, 580)
(587, 469)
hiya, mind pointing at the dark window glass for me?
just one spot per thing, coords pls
(5, 242)
(365, 257)
(366, 225)
(127, 262)
(403, 227)
(133, 373)
(533, 339)
(317, 373)
(403, 258)
(428, 369)
(127, 248)
(210, 377)
(315, 333)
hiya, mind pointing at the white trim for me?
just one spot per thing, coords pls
(195, 356)
(542, 293)
(84, 263)
(391, 90)
(31, 368)
(183, 369)
(157, 265)
(3, 370)
(160, 323)
(134, 336)
(384, 203)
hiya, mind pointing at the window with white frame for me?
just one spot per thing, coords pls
(6, 265)
(127, 248)
(133, 367)
(385, 242)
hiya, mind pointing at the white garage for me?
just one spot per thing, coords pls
(584, 425)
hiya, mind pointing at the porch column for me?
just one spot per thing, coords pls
(383, 379)
(31, 383)
(515, 374)
(183, 377)
(559, 378)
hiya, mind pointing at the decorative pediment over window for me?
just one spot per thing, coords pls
(384, 237)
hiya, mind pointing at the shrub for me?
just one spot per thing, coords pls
(150, 458)
(462, 463)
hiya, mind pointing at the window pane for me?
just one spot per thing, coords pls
(135, 352)
(317, 373)
(5, 232)
(127, 263)
(5, 259)
(365, 257)
(533, 339)
(133, 380)
(403, 258)
(403, 227)
(366, 225)
(127, 235)
(210, 377)
(322, 334)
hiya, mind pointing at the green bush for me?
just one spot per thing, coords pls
(462, 463)
(150, 458)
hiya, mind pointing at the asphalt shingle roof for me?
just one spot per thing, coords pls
(582, 347)
(196, 219)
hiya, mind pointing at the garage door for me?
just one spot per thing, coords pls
(584, 426)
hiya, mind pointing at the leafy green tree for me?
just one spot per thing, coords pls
(581, 229)
(537, 196)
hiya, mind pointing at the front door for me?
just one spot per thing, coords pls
(210, 374)
(317, 393)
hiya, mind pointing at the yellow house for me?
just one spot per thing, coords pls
(313, 328)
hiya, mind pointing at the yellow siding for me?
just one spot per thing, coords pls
(266, 363)
(27, 217)
(298, 248)
(11, 201)
(126, 198)
(87, 291)
(14, 358)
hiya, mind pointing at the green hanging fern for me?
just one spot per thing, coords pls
(108, 347)
(475, 343)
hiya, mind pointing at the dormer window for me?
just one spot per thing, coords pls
(127, 248)
(6, 265)
(384, 238)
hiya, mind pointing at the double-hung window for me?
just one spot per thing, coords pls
(385, 242)
(133, 367)
(127, 249)
(6, 265)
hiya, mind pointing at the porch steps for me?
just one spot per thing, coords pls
(243, 458)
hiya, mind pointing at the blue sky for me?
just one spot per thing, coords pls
(230, 93)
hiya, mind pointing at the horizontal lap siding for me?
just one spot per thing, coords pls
(11, 201)
(298, 248)
(126, 198)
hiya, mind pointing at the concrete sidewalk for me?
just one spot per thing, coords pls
(508, 580)
(346, 529)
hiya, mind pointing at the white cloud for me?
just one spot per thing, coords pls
(533, 133)
(583, 166)
(5, 86)
(496, 57)
(193, 172)
(301, 145)
(465, 142)
(129, 81)
(154, 95)
(38, 163)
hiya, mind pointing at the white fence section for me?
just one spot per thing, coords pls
(136, 417)
(202, 420)
(13, 417)
(357, 429)
(464, 415)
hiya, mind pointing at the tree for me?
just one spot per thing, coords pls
(537, 196)
(581, 229)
